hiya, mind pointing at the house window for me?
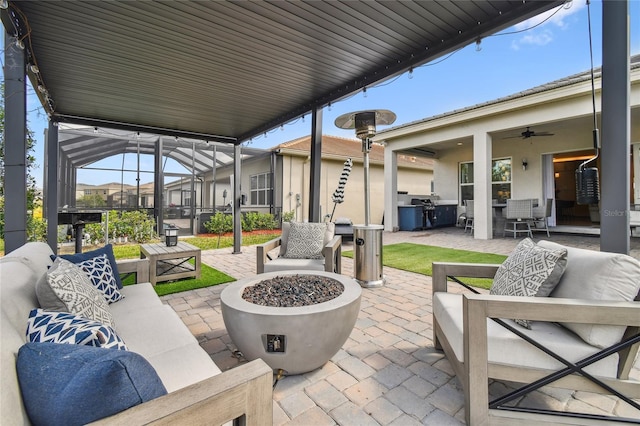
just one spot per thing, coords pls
(261, 189)
(87, 192)
(500, 180)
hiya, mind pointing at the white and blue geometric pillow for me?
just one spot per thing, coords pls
(101, 274)
(63, 327)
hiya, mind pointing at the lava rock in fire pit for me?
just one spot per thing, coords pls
(293, 290)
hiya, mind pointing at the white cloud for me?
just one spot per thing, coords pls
(534, 39)
(539, 29)
(557, 20)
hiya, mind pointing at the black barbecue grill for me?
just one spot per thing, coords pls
(428, 210)
(78, 220)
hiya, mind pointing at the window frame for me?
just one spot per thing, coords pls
(469, 183)
(262, 190)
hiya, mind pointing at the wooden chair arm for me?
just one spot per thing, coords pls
(478, 307)
(244, 392)
(332, 253)
(441, 270)
(138, 266)
(262, 250)
(555, 309)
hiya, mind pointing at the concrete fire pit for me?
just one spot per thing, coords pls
(295, 339)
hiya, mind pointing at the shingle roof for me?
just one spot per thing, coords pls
(563, 82)
(334, 146)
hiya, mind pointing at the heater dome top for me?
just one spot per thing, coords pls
(348, 120)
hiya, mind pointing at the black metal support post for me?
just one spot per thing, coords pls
(316, 161)
(15, 146)
(237, 197)
(51, 186)
(616, 133)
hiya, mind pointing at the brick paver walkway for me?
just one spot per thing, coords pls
(387, 373)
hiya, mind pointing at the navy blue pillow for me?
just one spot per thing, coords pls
(108, 250)
(76, 384)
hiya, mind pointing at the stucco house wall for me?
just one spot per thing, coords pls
(414, 176)
(491, 130)
(292, 173)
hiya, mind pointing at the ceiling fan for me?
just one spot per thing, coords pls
(530, 133)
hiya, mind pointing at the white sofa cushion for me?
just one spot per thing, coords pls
(153, 330)
(597, 276)
(507, 348)
(183, 366)
(159, 335)
(137, 297)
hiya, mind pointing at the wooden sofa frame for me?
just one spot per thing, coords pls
(332, 253)
(475, 372)
(243, 395)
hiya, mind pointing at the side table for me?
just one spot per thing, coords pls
(171, 263)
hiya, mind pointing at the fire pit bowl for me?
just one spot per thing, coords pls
(295, 339)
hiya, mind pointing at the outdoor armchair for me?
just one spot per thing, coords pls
(469, 216)
(327, 255)
(541, 215)
(596, 331)
(517, 216)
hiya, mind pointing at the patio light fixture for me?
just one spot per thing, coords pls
(587, 178)
(525, 163)
(171, 236)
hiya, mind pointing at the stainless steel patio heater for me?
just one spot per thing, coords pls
(367, 238)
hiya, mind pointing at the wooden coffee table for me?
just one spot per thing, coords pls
(171, 263)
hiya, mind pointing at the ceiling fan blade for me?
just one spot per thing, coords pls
(542, 134)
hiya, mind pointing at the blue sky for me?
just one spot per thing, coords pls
(521, 57)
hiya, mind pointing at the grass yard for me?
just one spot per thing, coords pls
(208, 277)
(418, 258)
(132, 251)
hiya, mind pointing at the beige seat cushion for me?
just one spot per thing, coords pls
(284, 264)
(601, 276)
(507, 348)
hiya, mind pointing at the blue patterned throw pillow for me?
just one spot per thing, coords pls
(101, 274)
(75, 385)
(108, 250)
(63, 327)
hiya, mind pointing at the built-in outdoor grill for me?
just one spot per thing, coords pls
(77, 220)
(428, 210)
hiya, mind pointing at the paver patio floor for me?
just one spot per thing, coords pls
(387, 372)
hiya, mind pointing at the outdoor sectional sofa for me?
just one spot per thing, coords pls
(197, 391)
(595, 305)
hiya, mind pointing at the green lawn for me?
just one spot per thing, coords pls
(132, 251)
(209, 276)
(418, 258)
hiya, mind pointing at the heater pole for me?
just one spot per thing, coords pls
(366, 143)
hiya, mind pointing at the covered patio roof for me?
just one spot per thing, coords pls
(231, 70)
(85, 145)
